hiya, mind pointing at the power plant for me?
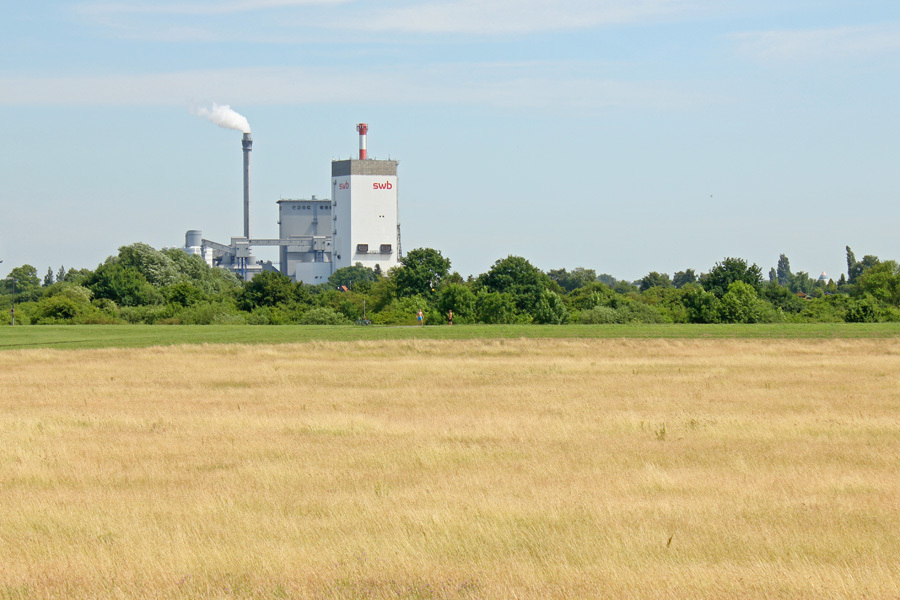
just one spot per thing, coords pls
(359, 224)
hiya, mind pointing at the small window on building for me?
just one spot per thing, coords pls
(385, 249)
(362, 248)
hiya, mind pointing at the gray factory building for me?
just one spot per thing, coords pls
(360, 224)
(306, 227)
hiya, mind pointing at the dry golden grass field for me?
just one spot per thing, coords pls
(453, 469)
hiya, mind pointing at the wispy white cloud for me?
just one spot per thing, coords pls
(198, 21)
(98, 9)
(460, 17)
(513, 16)
(499, 86)
(820, 44)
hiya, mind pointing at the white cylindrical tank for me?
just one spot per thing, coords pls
(193, 242)
(193, 237)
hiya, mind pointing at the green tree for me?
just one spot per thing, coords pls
(724, 273)
(266, 289)
(740, 304)
(881, 282)
(550, 309)
(869, 261)
(578, 277)
(183, 293)
(496, 307)
(126, 286)
(668, 302)
(802, 282)
(702, 306)
(358, 277)
(76, 292)
(382, 293)
(623, 287)
(862, 310)
(783, 271)
(190, 267)
(853, 268)
(458, 298)
(24, 281)
(654, 279)
(591, 296)
(421, 271)
(828, 309)
(77, 276)
(48, 277)
(682, 278)
(520, 279)
(782, 298)
(607, 279)
(157, 267)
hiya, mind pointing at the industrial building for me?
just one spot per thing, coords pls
(359, 224)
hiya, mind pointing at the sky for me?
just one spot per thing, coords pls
(624, 136)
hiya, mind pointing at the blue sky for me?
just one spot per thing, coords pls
(625, 136)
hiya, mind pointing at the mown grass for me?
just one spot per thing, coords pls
(503, 468)
(142, 336)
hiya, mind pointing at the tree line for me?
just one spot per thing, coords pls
(144, 285)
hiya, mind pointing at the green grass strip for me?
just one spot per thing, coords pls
(142, 336)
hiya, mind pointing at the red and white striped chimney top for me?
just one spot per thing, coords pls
(363, 129)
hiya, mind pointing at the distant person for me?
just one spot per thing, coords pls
(449, 317)
(420, 317)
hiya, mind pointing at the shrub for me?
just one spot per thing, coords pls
(58, 308)
(599, 315)
(862, 310)
(402, 311)
(550, 309)
(702, 306)
(638, 312)
(496, 307)
(211, 313)
(146, 314)
(322, 315)
(458, 298)
(740, 304)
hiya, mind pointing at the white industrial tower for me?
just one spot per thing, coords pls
(365, 210)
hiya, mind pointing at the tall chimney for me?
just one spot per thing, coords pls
(247, 142)
(363, 129)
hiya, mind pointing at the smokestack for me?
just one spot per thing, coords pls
(363, 129)
(247, 143)
(223, 116)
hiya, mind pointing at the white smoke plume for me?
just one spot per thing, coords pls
(223, 116)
